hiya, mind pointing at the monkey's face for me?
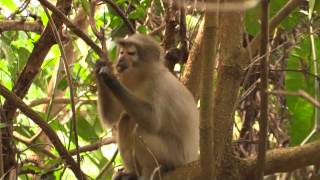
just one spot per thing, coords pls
(127, 59)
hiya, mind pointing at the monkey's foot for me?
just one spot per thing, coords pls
(121, 175)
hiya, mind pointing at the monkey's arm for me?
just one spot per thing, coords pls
(108, 106)
(140, 110)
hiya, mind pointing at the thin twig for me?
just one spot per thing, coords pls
(20, 9)
(314, 56)
(94, 146)
(59, 101)
(115, 7)
(300, 93)
(157, 30)
(304, 71)
(70, 83)
(107, 166)
(74, 29)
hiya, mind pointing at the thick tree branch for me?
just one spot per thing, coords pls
(17, 102)
(277, 160)
(286, 159)
(207, 162)
(21, 25)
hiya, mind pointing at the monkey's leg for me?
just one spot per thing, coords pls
(138, 109)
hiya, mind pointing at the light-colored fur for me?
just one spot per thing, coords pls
(171, 136)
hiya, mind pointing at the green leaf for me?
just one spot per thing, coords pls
(63, 84)
(119, 31)
(43, 16)
(3, 125)
(301, 111)
(317, 6)
(86, 130)
(86, 6)
(142, 29)
(138, 13)
(9, 4)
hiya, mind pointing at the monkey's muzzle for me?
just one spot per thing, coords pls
(121, 66)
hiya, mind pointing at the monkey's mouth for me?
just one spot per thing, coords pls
(121, 67)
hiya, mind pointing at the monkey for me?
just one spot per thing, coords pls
(155, 115)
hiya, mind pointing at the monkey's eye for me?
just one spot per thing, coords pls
(131, 53)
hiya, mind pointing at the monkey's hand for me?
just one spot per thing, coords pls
(104, 74)
(103, 70)
(99, 64)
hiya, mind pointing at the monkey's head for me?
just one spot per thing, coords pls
(136, 52)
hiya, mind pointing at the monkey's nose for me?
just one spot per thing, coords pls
(121, 66)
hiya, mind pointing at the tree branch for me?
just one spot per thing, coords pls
(190, 77)
(121, 14)
(277, 160)
(94, 146)
(300, 93)
(286, 159)
(207, 162)
(17, 102)
(263, 122)
(29, 143)
(21, 25)
(74, 28)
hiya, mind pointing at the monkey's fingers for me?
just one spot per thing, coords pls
(105, 70)
(99, 64)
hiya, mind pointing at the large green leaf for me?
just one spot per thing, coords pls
(9, 4)
(301, 111)
(86, 130)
